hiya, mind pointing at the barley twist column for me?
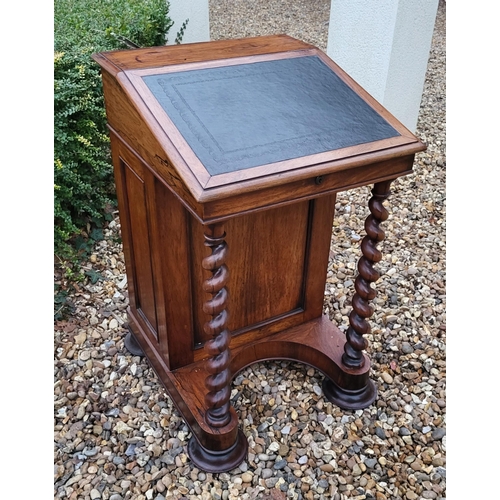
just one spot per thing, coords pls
(219, 380)
(353, 355)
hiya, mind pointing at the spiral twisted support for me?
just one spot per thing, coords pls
(358, 326)
(219, 380)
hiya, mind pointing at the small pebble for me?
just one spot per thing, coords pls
(438, 433)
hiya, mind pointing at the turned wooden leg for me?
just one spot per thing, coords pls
(358, 326)
(349, 393)
(219, 414)
(219, 380)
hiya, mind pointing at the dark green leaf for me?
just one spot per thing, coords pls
(94, 276)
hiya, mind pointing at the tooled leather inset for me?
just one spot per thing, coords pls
(241, 116)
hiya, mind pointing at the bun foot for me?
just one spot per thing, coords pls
(350, 400)
(218, 461)
(132, 345)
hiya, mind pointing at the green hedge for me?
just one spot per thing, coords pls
(83, 181)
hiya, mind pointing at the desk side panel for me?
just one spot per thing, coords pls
(175, 256)
(154, 234)
(132, 187)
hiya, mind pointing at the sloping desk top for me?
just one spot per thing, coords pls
(239, 125)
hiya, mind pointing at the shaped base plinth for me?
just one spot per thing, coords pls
(132, 345)
(347, 399)
(218, 461)
(317, 343)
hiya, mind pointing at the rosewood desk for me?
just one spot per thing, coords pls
(227, 157)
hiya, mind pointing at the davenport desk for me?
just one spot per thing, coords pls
(227, 157)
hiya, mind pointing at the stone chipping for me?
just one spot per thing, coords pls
(117, 435)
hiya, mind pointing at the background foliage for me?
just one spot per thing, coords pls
(83, 180)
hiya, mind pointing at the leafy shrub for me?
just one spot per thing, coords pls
(83, 179)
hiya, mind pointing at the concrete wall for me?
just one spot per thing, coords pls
(384, 46)
(198, 28)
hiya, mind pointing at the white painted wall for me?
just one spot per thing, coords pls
(384, 46)
(198, 28)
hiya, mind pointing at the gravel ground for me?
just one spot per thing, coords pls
(117, 434)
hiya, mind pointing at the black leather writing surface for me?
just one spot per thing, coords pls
(242, 116)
